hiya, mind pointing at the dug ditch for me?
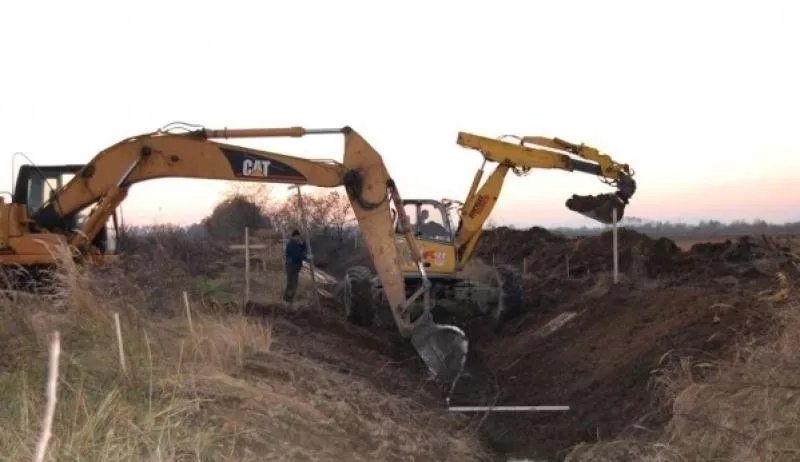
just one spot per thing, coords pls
(584, 342)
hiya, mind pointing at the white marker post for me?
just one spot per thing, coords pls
(615, 240)
(246, 265)
(507, 408)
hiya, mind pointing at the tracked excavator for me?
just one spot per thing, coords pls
(48, 203)
(448, 241)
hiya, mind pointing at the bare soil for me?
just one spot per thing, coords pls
(669, 304)
(604, 361)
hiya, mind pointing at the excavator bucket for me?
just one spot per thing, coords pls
(443, 348)
(600, 207)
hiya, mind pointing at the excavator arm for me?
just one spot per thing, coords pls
(543, 153)
(105, 180)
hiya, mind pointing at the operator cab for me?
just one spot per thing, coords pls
(37, 185)
(430, 220)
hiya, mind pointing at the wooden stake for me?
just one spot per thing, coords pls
(52, 389)
(119, 343)
(188, 311)
(246, 264)
(615, 244)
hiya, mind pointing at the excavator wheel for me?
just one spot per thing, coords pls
(356, 296)
(508, 281)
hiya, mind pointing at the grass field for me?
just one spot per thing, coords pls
(192, 383)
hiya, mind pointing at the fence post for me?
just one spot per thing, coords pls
(615, 244)
(246, 264)
(567, 258)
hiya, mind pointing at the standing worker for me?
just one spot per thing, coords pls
(296, 254)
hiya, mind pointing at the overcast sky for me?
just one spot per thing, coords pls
(701, 98)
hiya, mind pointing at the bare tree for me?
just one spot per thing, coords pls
(326, 214)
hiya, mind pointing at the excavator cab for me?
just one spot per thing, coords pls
(434, 231)
(429, 219)
(35, 186)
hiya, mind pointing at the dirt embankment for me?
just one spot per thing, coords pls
(583, 341)
(604, 358)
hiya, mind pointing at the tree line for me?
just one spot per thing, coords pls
(701, 228)
(331, 223)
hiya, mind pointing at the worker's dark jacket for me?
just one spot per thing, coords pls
(295, 255)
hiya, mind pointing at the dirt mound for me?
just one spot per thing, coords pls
(548, 255)
(600, 361)
(594, 345)
(584, 341)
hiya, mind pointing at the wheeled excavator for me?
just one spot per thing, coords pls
(449, 240)
(47, 207)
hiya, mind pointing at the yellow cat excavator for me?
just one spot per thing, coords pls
(447, 248)
(49, 201)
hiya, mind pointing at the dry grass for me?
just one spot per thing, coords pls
(744, 409)
(216, 391)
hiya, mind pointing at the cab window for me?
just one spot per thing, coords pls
(42, 188)
(432, 224)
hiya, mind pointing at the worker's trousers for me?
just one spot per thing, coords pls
(292, 276)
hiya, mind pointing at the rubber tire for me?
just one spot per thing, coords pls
(509, 280)
(361, 311)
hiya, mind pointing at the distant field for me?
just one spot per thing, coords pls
(687, 241)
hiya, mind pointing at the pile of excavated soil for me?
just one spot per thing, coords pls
(550, 254)
(596, 346)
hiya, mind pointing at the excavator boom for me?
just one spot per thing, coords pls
(105, 180)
